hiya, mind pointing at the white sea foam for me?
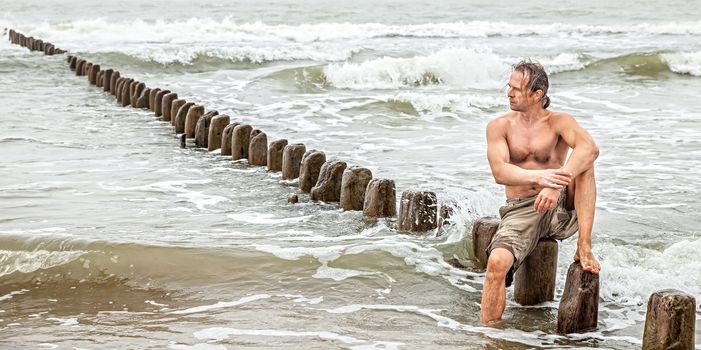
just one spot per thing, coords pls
(438, 102)
(457, 67)
(221, 333)
(30, 261)
(222, 304)
(266, 218)
(684, 62)
(209, 29)
(179, 188)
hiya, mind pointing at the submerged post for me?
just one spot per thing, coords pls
(670, 321)
(193, 115)
(240, 142)
(291, 160)
(328, 187)
(380, 199)
(418, 211)
(227, 138)
(353, 185)
(258, 148)
(216, 129)
(483, 229)
(534, 281)
(309, 170)
(579, 305)
(275, 152)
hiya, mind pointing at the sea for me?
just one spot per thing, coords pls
(114, 237)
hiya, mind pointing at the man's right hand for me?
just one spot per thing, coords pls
(553, 178)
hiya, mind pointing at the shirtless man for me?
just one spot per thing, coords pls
(547, 194)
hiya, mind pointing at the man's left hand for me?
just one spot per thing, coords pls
(546, 200)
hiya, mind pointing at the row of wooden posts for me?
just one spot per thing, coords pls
(671, 314)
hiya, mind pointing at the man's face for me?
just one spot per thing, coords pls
(520, 97)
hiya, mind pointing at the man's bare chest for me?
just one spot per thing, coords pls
(538, 145)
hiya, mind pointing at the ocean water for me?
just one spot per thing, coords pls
(111, 236)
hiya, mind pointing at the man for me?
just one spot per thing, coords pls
(547, 194)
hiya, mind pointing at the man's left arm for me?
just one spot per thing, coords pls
(584, 149)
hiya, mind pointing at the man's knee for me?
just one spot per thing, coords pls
(499, 262)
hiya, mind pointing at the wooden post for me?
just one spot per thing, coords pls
(418, 211)
(93, 74)
(158, 105)
(579, 305)
(380, 199)
(353, 185)
(167, 106)
(177, 119)
(240, 142)
(227, 139)
(113, 82)
(216, 129)
(309, 169)
(483, 229)
(534, 281)
(107, 79)
(152, 99)
(446, 211)
(136, 93)
(292, 199)
(670, 321)
(258, 148)
(291, 160)
(193, 115)
(142, 101)
(202, 129)
(275, 152)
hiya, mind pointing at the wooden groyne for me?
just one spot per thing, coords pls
(670, 318)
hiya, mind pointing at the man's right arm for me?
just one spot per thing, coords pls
(509, 174)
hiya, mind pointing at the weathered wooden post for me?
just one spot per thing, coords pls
(418, 211)
(87, 70)
(353, 185)
(167, 106)
(380, 199)
(142, 100)
(445, 212)
(291, 160)
(227, 139)
(158, 105)
(483, 230)
(240, 142)
(118, 87)
(79, 67)
(275, 152)
(579, 305)
(179, 124)
(534, 281)
(216, 130)
(670, 321)
(258, 148)
(328, 187)
(73, 63)
(193, 115)
(107, 79)
(202, 128)
(113, 82)
(292, 199)
(136, 93)
(126, 92)
(94, 69)
(152, 99)
(99, 80)
(310, 167)
(181, 117)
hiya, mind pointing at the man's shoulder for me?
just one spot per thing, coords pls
(560, 116)
(501, 121)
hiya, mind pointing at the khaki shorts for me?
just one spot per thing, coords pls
(522, 227)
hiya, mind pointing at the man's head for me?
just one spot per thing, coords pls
(528, 86)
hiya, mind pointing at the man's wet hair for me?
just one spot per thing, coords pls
(537, 78)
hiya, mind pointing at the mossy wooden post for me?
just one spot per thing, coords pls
(446, 211)
(202, 129)
(227, 139)
(193, 115)
(309, 169)
(275, 152)
(258, 148)
(167, 106)
(216, 130)
(291, 160)
(534, 281)
(579, 305)
(418, 211)
(241, 141)
(380, 199)
(670, 321)
(353, 185)
(328, 187)
(483, 229)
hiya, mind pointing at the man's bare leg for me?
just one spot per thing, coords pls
(583, 188)
(494, 291)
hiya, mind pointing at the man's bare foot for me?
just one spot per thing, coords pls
(587, 260)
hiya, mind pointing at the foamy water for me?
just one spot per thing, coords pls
(110, 233)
